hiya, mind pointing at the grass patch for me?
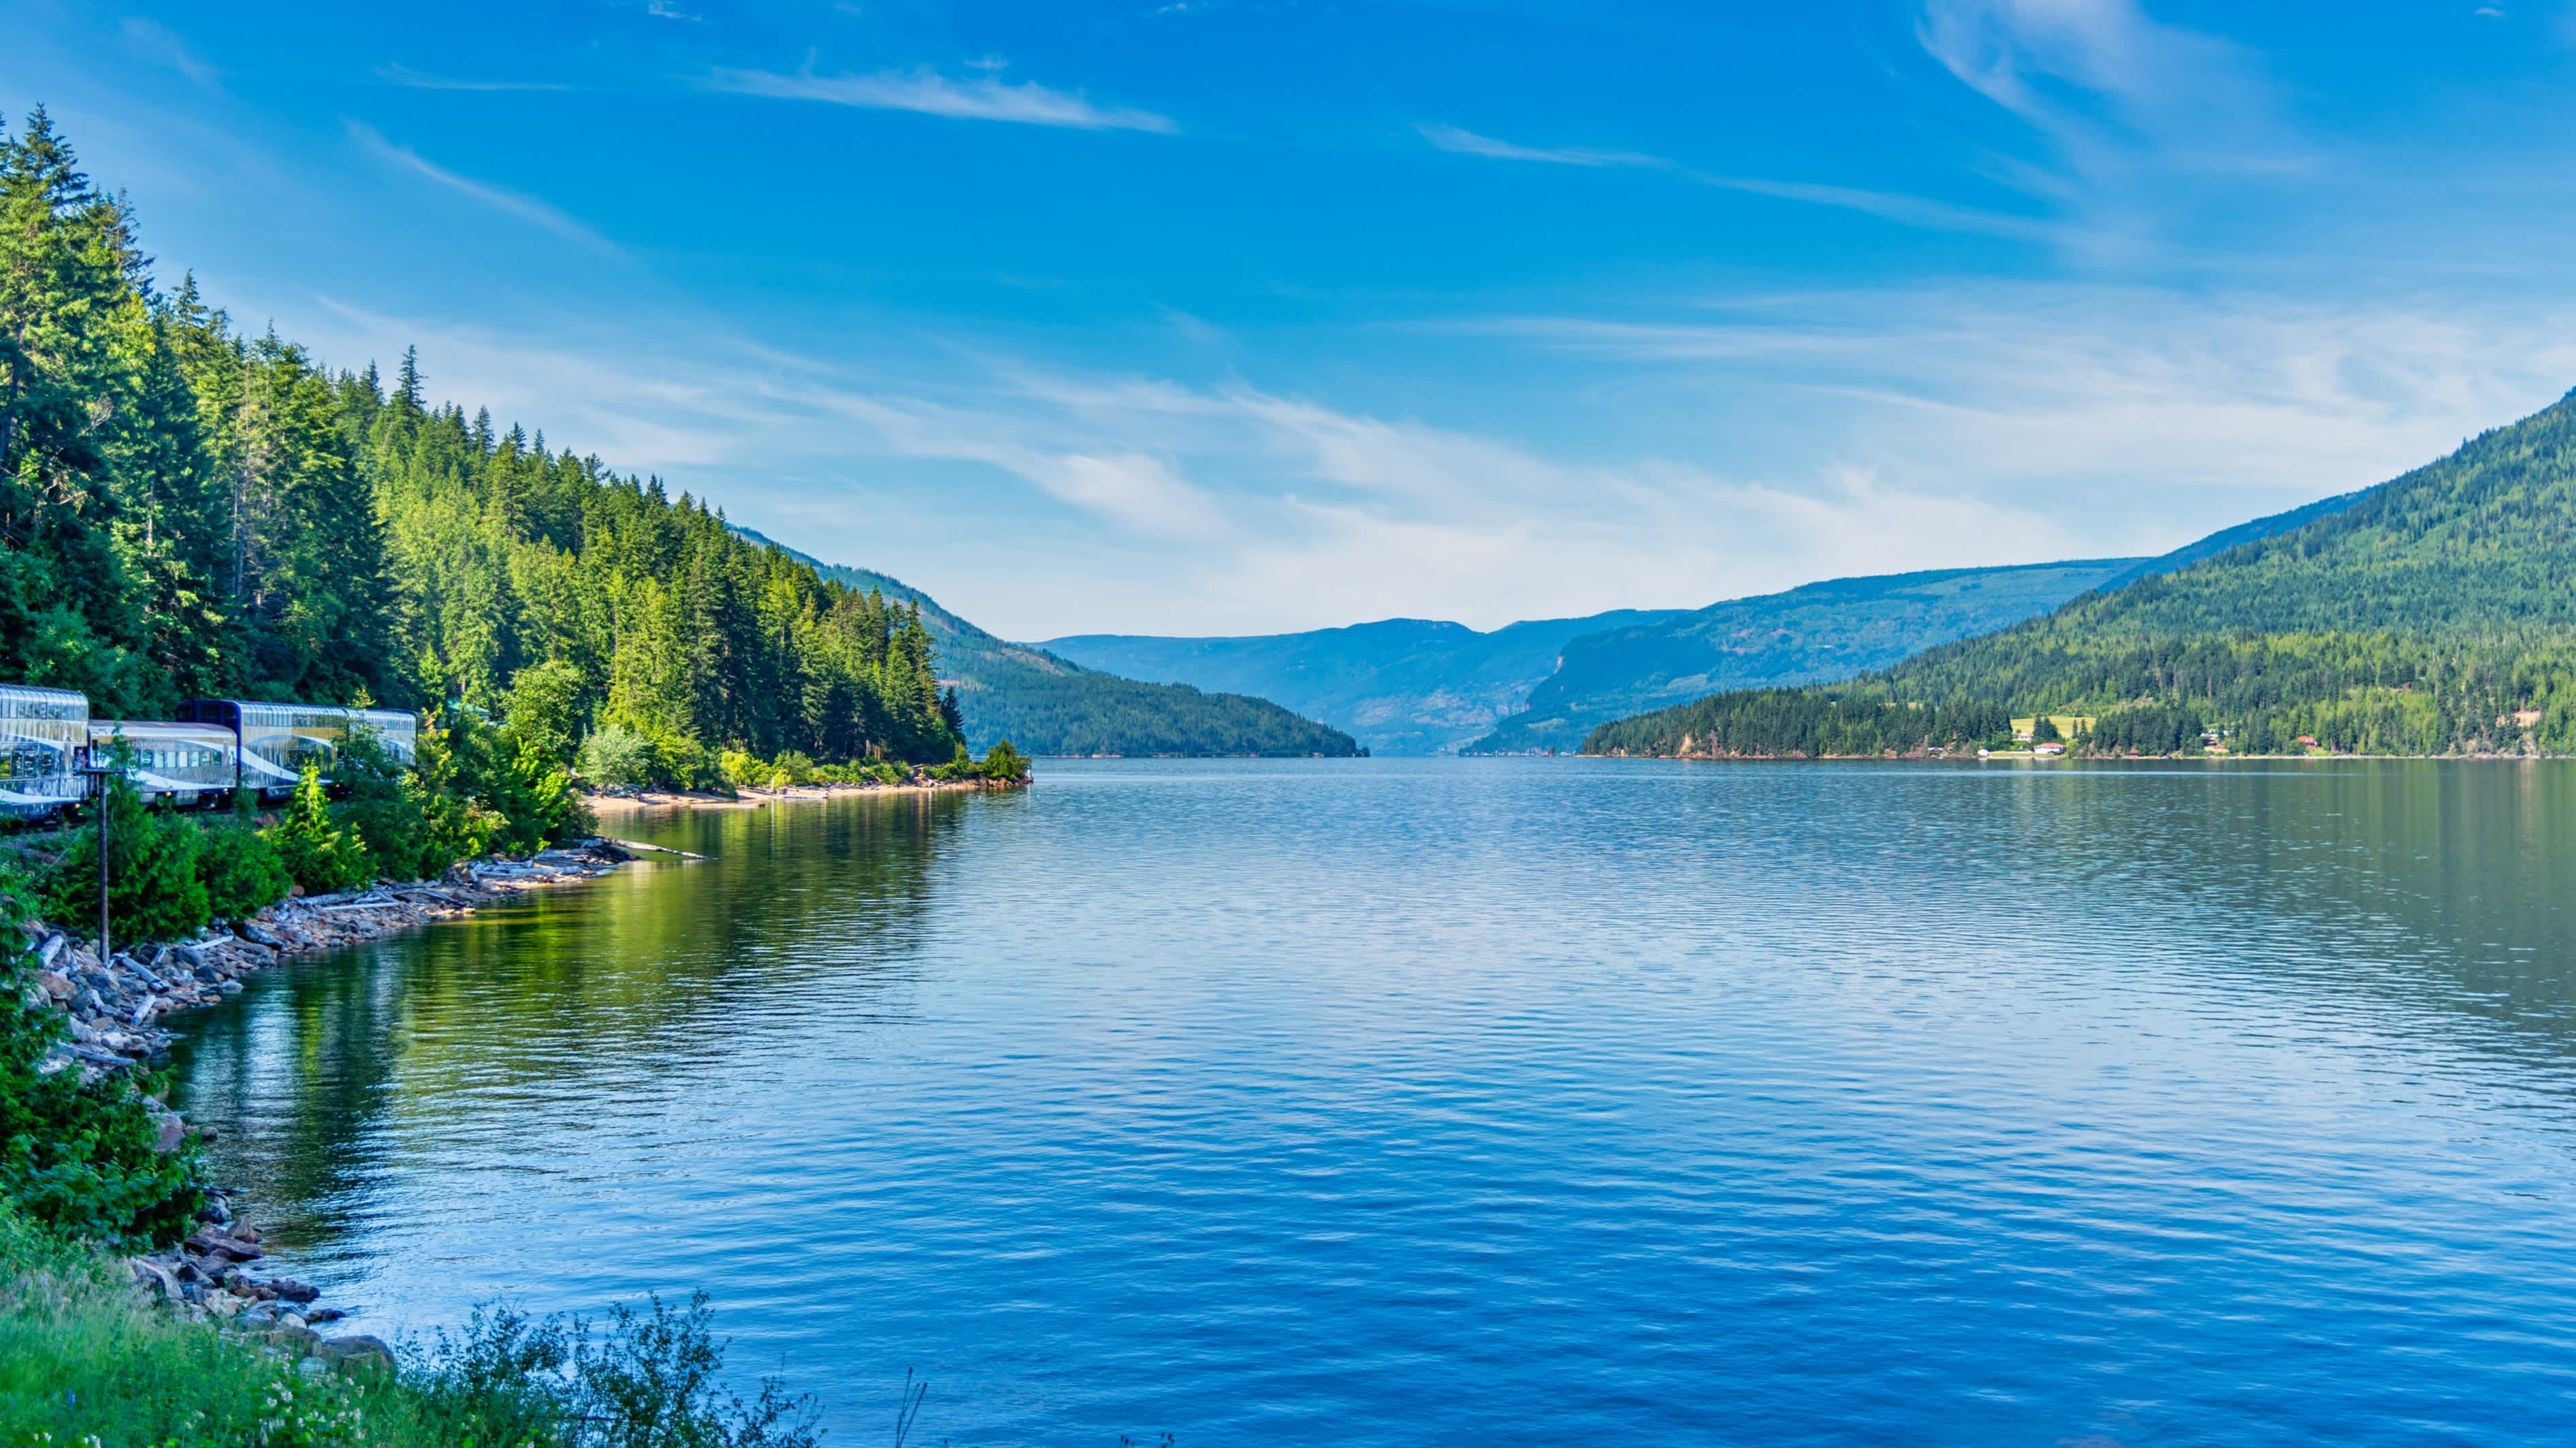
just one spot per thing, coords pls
(86, 1359)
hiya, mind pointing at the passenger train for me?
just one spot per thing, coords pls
(215, 750)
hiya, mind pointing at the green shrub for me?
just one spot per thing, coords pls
(541, 804)
(76, 1157)
(650, 1380)
(385, 807)
(153, 889)
(317, 853)
(83, 1358)
(240, 869)
(681, 762)
(617, 758)
(1004, 762)
(544, 709)
(454, 757)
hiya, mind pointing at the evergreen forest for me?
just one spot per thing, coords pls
(2433, 614)
(193, 511)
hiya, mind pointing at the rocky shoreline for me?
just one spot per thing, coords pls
(113, 1009)
(753, 796)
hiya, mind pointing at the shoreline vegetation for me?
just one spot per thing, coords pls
(2431, 616)
(196, 512)
(133, 1310)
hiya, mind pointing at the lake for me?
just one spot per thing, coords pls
(1502, 1102)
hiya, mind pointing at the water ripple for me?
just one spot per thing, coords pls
(1506, 1102)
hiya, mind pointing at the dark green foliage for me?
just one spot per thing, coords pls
(1080, 712)
(1055, 707)
(185, 511)
(75, 1157)
(154, 887)
(319, 854)
(1800, 724)
(70, 321)
(1003, 762)
(240, 870)
(2434, 613)
(388, 812)
(84, 1360)
(2147, 729)
(544, 709)
(646, 1382)
(497, 1381)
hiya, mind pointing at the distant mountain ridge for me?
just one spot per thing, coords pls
(1829, 630)
(1045, 704)
(1399, 685)
(2433, 613)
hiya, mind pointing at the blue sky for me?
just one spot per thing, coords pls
(1213, 317)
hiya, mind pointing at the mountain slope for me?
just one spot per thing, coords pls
(2432, 613)
(1046, 705)
(1830, 630)
(1400, 686)
(2226, 538)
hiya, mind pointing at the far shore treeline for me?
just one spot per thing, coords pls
(2435, 615)
(193, 511)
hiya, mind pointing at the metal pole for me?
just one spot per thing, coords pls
(104, 949)
(98, 774)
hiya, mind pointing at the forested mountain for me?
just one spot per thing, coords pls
(1830, 630)
(186, 510)
(1400, 686)
(2433, 613)
(1045, 704)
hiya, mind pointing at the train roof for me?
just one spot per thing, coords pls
(203, 706)
(31, 701)
(158, 728)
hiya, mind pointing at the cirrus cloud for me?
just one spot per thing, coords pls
(926, 91)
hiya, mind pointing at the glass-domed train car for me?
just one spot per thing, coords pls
(42, 734)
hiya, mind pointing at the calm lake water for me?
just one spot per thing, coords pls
(1504, 1102)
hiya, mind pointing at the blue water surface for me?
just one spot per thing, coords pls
(1503, 1102)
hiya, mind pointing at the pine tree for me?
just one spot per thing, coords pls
(185, 510)
(318, 854)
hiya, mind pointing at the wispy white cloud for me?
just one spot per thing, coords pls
(985, 98)
(508, 203)
(2134, 408)
(1451, 138)
(403, 75)
(2116, 92)
(156, 43)
(1300, 514)
(1135, 488)
(1893, 206)
(1898, 207)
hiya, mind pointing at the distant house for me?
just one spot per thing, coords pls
(2309, 740)
(2049, 749)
